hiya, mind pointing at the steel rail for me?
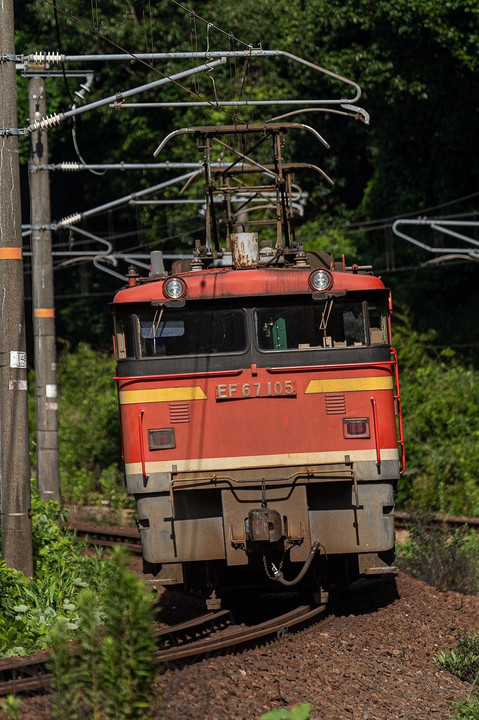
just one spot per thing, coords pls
(435, 522)
(28, 676)
(278, 626)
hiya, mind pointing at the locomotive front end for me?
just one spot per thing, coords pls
(260, 419)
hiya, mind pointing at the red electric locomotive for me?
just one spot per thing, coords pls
(259, 402)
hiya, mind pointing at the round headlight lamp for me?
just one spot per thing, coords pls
(174, 288)
(320, 280)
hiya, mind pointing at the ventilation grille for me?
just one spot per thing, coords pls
(335, 404)
(179, 412)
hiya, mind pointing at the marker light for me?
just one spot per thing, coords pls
(320, 280)
(174, 288)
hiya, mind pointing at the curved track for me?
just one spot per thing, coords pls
(190, 640)
(195, 638)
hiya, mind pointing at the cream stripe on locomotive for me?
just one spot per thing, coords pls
(254, 461)
(350, 384)
(195, 392)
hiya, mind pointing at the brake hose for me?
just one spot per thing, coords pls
(278, 575)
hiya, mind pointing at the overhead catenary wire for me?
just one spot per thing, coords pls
(142, 58)
(147, 59)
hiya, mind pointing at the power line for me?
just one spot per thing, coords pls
(387, 221)
(137, 57)
(210, 24)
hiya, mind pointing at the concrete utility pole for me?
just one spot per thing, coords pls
(43, 303)
(14, 465)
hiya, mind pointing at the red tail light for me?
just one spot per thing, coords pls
(356, 428)
(161, 439)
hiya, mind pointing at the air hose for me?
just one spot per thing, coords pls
(278, 575)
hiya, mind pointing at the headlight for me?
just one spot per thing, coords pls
(174, 288)
(320, 280)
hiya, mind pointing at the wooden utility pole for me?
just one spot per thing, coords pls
(14, 465)
(43, 303)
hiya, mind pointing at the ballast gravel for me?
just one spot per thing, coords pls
(374, 660)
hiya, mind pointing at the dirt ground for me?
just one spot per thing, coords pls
(372, 661)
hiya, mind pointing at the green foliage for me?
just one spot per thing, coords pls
(30, 606)
(88, 427)
(467, 710)
(463, 661)
(109, 676)
(95, 601)
(87, 399)
(299, 712)
(332, 241)
(440, 403)
(447, 562)
(11, 707)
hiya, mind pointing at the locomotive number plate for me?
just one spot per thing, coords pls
(243, 391)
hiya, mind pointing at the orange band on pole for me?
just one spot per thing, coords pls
(44, 313)
(11, 253)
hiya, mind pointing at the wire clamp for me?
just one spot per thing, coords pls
(12, 131)
(6, 57)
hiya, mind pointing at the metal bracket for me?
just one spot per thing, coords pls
(5, 57)
(13, 131)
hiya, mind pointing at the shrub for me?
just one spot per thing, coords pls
(440, 402)
(463, 661)
(110, 674)
(449, 562)
(468, 710)
(30, 606)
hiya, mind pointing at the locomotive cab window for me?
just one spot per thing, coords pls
(333, 322)
(151, 331)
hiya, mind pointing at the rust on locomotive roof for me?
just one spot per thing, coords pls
(250, 282)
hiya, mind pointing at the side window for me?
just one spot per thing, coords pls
(378, 327)
(125, 335)
(120, 337)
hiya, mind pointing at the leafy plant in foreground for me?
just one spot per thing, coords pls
(299, 712)
(109, 676)
(463, 662)
(11, 707)
(30, 606)
(468, 710)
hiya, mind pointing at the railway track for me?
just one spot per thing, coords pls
(404, 520)
(193, 639)
(190, 640)
(129, 538)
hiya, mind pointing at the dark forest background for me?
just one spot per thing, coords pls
(417, 64)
